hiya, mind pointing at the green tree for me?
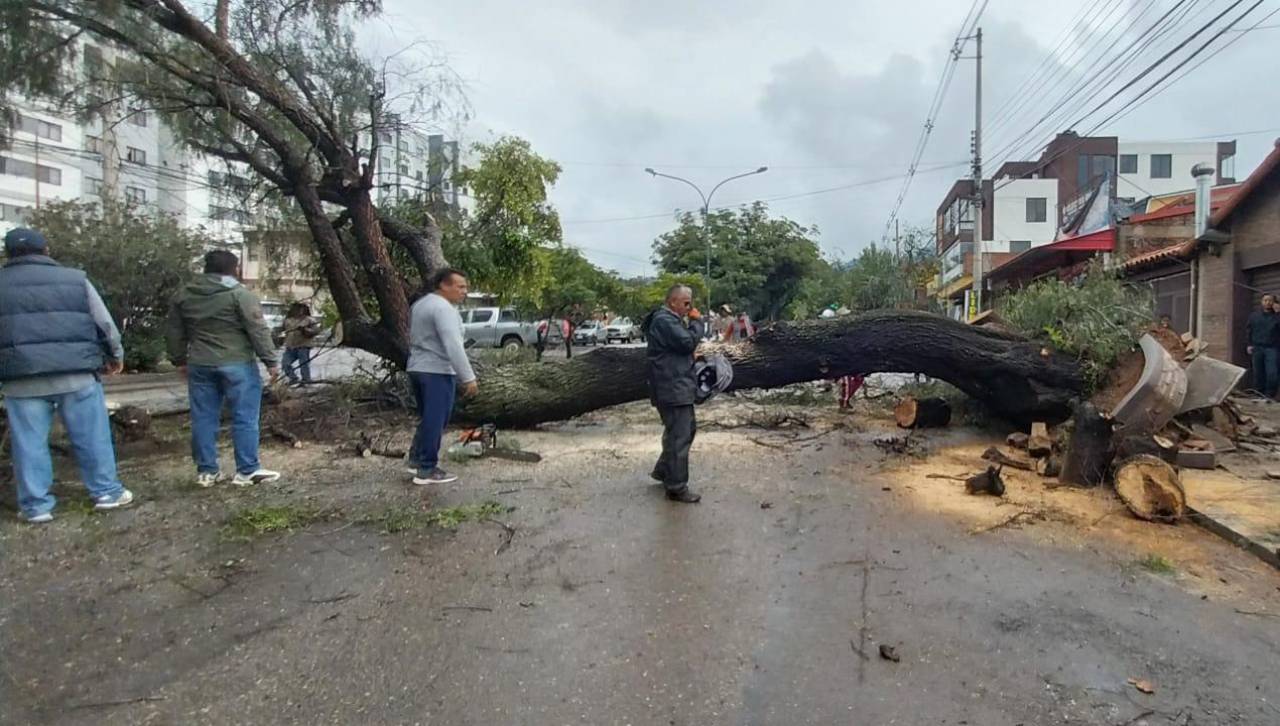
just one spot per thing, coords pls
(136, 260)
(758, 262)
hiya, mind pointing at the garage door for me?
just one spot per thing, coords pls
(1263, 280)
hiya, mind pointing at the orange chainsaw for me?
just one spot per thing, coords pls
(487, 436)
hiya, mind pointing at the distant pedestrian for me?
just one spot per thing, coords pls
(673, 385)
(216, 336)
(849, 385)
(299, 330)
(56, 336)
(741, 328)
(1263, 328)
(437, 366)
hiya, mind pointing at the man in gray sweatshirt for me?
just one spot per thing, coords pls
(438, 365)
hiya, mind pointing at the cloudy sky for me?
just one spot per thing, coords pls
(827, 93)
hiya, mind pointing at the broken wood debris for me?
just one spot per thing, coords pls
(987, 482)
(996, 456)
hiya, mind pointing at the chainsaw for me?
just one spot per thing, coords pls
(487, 436)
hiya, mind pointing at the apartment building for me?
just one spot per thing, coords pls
(415, 165)
(1062, 199)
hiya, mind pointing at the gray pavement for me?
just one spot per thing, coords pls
(765, 604)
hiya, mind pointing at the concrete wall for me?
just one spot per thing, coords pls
(1185, 155)
(1010, 213)
(1224, 296)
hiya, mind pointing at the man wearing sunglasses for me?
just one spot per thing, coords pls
(671, 342)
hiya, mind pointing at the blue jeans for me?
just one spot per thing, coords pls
(1266, 369)
(240, 385)
(84, 413)
(301, 356)
(435, 393)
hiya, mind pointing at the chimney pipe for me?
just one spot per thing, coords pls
(1203, 174)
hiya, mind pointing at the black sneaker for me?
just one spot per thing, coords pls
(435, 476)
(685, 495)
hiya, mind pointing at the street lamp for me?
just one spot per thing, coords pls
(706, 209)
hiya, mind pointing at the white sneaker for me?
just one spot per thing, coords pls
(207, 479)
(106, 501)
(42, 518)
(261, 476)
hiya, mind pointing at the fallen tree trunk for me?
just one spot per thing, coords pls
(1015, 377)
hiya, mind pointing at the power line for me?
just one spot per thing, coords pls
(948, 71)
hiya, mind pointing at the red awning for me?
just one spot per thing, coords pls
(1039, 261)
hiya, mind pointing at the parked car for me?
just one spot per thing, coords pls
(621, 330)
(497, 328)
(588, 333)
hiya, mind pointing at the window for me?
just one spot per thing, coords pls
(41, 173)
(384, 137)
(1037, 209)
(508, 316)
(13, 213)
(481, 316)
(1018, 246)
(36, 127)
(135, 195)
(92, 144)
(222, 213)
(419, 175)
(137, 156)
(1228, 170)
(1162, 166)
(1128, 163)
(1091, 167)
(253, 253)
(138, 118)
(92, 187)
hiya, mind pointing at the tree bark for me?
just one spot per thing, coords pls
(1014, 376)
(1089, 452)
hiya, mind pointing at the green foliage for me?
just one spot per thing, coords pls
(501, 245)
(257, 521)
(137, 259)
(1097, 318)
(405, 518)
(758, 262)
(1157, 564)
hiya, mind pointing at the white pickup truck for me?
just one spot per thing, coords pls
(496, 328)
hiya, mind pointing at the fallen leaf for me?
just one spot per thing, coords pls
(888, 652)
(1142, 684)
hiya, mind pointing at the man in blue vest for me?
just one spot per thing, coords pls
(56, 336)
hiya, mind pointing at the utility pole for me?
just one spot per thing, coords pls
(897, 239)
(977, 179)
(37, 165)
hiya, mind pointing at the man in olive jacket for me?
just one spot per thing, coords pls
(672, 385)
(216, 335)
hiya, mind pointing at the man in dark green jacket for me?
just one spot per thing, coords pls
(1263, 328)
(672, 386)
(216, 336)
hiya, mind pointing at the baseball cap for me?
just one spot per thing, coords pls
(24, 240)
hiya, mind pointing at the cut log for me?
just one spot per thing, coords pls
(987, 482)
(380, 444)
(1013, 376)
(1039, 444)
(995, 455)
(131, 423)
(280, 434)
(1089, 451)
(1050, 466)
(1017, 440)
(1157, 446)
(922, 413)
(1151, 489)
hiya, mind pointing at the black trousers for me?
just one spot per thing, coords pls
(678, 429)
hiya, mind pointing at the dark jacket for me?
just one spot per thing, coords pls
(46, 326)
(1264, 328)
(670, 346)
(216, 321)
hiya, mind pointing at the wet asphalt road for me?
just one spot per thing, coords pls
(765, 604)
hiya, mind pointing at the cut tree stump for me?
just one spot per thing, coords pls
(1015, 377)
(922, 413)
(1150, 488)
(1089, 451)
(131, 422)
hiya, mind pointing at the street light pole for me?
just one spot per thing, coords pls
(706, 210)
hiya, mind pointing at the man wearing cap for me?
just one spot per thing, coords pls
(56, 336)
